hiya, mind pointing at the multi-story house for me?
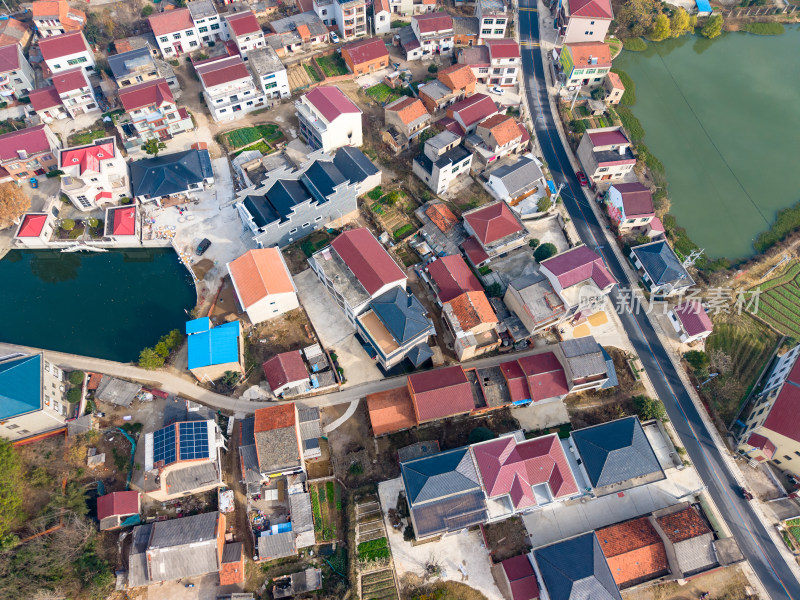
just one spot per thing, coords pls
(179, 174)
(175, 32)
(661, 270)
(408, 8)
(496, 137)
(139, 66)
(75, 91)
(95, 175)
(453, 83)
(579, 277)
(152, 113)
(494, 229)
(605, 154)
(263, 284)
(244, 30)
(228, 87)
(298, 32)
(493, 16)
(350, 16)
(16, 75)
(584, 20)
(36, 228)
(329, 119)
(365, 56)
(584, 64)
(207, 21)
(468, 113)
(67, 51)
(47, 104)
(291, 204)
(269, 72)
(469, 318)
(13, 32)
(630, 205)
(505, 62)
(405, 119)
(29, 152)
(54, 17)
(382, 17)
(434, 34)
(356, 269)
(443, 159)
(613, 87)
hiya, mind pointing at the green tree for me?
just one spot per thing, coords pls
(72, 499)
(153, 146)
(635, 17)
(173, 339)
(93, 223)
(162, 349)
(481, 434)
(642, 239)
(577, 125)
(697, 359)
(544, 252)
(230, 379)
(713, 27)
(680, 23)
(76, 377)
(661, 28)
(150, 359)
(533, 243)
(544, 204)
(598, 93)
(147, 11)
(10, 488)
(432, 68)
(648, 408)
(67, 224)
(74, 395)
(494, 290)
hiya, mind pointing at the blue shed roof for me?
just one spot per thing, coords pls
(20, 386)
(703, 5)
(198, 325)
(214, 346)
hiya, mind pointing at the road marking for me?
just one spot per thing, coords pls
(526, 9)
(530, 44)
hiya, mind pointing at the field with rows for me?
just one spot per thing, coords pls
(326, 508)
(378, 585)
(779, 302)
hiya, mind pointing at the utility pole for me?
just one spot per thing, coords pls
(575, 98)
(693, 257)
(558, 192)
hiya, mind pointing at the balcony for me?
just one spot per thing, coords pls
(307, 117)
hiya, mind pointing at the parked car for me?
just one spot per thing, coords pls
(582, 178)
(203, 246)
(334, 38)
(497, 90)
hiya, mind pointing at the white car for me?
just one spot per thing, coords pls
(334, 38)
(497, 90)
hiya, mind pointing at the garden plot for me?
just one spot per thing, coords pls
(779, 302)
(326, 507)
(383, 94)
(393, 211)
(376, 571)
(379, 585)
(259, 137)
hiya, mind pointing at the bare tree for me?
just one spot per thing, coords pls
(13, 204)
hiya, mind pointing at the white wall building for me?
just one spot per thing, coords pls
(67, 51)
(329, 119)
(95, 175)
(175, 32)
(269, 72)
(228, 88)
(243, 28)
(493, 17)
(76, 92)
(206, 19)
(16, 76)
(263, 284)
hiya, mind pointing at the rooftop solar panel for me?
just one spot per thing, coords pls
(164, 446)
(193, 441)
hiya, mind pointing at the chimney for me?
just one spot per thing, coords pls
(621, 150)
(22, 154)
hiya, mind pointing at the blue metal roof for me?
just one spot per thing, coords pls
(198, 325)
(576, 569)
(20, 386)
(703, 5)
(215, 346)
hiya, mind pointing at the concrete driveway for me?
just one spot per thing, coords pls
(334, 330)
(205, 588)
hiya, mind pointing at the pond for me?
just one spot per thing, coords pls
(106, 305)
(722, 116)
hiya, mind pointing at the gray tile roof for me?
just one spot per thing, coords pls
(354, 164)
(584, 356)
(696, 554)
(194, 477)
(122, 64)
(661, 263)
(170, 173)
(450, 514)
(309, 423)
(302, 522)
(264, 61)
(277, 450)
(278, 545)
(616, 452)
(440, 475)
(232, 552)
(117, 391)
(186, 530)
(519, 177)
(576, 569)
(402, 314)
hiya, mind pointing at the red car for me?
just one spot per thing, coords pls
(582, 178)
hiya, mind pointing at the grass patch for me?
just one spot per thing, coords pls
(312, 73)
(261, 146)
(631, 124)
(374, 549)
(86, 137)
(241, 138)
(403, 232)
(375, 193)
(764, 28)
(787, 222)
(382, 93)
(634, 44)
(779, 302)
(332, 65)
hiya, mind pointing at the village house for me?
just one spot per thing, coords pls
(286, 372)
(75, 92)
(139, 66)
(477, 59)
(47, 104)
(494, 16)
(269, 72)
(245, 31)
(179, 174)
(442, 160)
(207, 21)
(450, 277)
(136, 42)
(579, 277)
(430, 34)
(264, 287)
(690, 321)
(214, 350)
(356, 269)
(496, 137)
(228, 87)
(365, 56)
(468, 113)
(350, 16)
(329, 119)
(466, 31)
(605, 154)
(520, 577)
(469, 318)
(29, 152)
(290, 204)
(36, 228)
(629, 205)
(405, 119)
(175, 32)
(505, 63)
(67, 51)
(95, 175)
(296, 33)
(122, 224)
(114, 508)
(584, 20)
(584, 64)
(278, 442)
(532, 299)
(34, 387)
(661, 269)
(54, 17)
(382, 16)
(409, 8)
(13, 32)
(536, 378)
(494, 230)
(453, 83)
(586, 365)
(613, 87)
(16, 75)
(151, 113)
(355, 166)
(515, 181)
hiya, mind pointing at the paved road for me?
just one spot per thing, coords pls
(749, 531)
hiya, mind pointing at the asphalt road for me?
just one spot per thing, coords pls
(749, 531)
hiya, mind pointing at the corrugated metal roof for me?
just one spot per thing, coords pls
(20, 385)
(277, 545)
(216, 346)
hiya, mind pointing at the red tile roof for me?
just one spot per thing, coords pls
(504, 48)
(441, 216)
(365, 50)
(68, 81)
(634, 551)
(458, 77)
(453, 277)
(94, 381)
(493, 223)
(331, 102)
(578, 265)
(599, 9)
(382, 6)
(12, 32)
(782, 417)
(44, 98)
(503, 128)
(510, 467)
(274, 417)
(9, 58)
(123, 220)
(433, 22)
(259, 273)
(63, 45)
(473, 109)
(683, 525)
(151, 92)
(537, 377)
(287, 367)
(409, 110)
(171, 21)
(757, 440)
(88, 158)
(117, 503)
(391, 411)
(32, 139)
(367, 259)
(590, 54)
(32, 225)
(521, 578)
(608, 138)
(474, 251)
(637, 201)
(472, 309)
(616, 82)
(232, 571)
(71, 19)
(243, 23)
(440, 393)
(656, 225)
(449, 124)
(224, 70)
(693, 317)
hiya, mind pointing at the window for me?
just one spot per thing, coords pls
(176, 36)
(787, 457)
(203, 30)
(317, 219)
(486, 31)
(214, 26)
(497, 71)
(456, 169)
(591, 22)
(189, 33)
(13, 426)
(269, 86)
(192, 44)
(488, 21)
(139, 79)
(163, 39)
(498, 32)
(483, 71)
(83, 201)
(56, 67)
(776, 461)
(306, 225)
(77, 61)
(293, 230)
(511, 71)
(602, 170)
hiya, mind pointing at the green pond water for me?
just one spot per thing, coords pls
(723, 116)
(106, 305)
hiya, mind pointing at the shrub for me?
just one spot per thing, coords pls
(577, 126)
(697, 359)
(150, 359)
(533, 243)
(494, 290)
(432, 68)
(544, 204)
(634, 44)
(481, 434)
(74, 395)
(375, 193)
(67, 224)
(544, 252)
(408, 533)
(787, 221)
(598, 93)
(356, 468)
(147, 11)
(76, 377)
(649, 408)
(54, 173)
(631, 124)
